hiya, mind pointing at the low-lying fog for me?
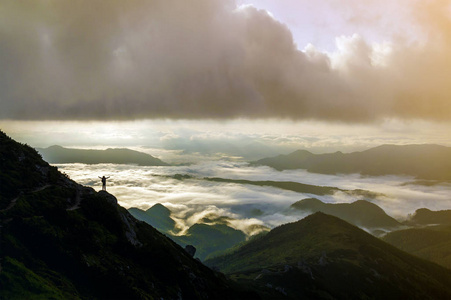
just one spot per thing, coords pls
(191, 199)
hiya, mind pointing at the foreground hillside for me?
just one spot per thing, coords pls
(60, 240)
(421, 161)
(324, 257)
(60, 155)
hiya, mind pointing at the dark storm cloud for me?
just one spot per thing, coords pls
(62, 59)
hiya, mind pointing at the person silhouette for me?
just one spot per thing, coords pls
(103, 178)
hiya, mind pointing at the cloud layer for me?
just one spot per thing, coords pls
(63, 59)
(192, 199)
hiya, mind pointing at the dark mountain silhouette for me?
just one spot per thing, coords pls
(421, 161)
(60, 155)
(324, 257)
(60, 240)
(424, 216)
(360, 213)
(432, 243)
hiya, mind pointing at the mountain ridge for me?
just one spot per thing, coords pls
(423, 161)
(360, 213)
(57, 154)
(424, 216)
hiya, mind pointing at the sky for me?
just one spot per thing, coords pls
(352, 63)
(320, 23)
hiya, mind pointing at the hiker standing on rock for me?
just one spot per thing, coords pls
(103, 178)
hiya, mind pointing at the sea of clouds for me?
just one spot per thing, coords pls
(192, 199)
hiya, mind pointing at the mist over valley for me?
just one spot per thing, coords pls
(189, 191)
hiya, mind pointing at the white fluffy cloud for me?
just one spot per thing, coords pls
(192, 199)
(63, 59)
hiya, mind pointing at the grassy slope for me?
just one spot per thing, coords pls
(332, 259)
(431, 243)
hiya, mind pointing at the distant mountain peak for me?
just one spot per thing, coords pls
(302, 152)
(160, 209)
(361, 213)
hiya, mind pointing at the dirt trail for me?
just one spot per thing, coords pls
(13, 202)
